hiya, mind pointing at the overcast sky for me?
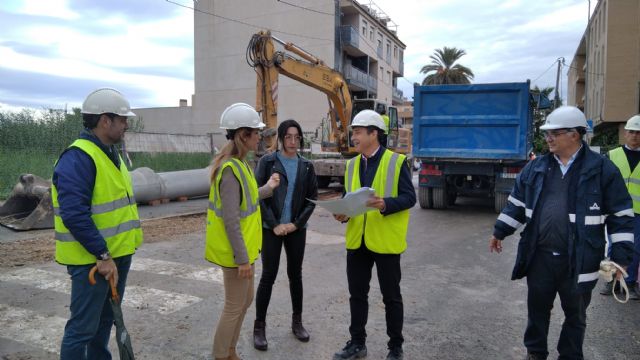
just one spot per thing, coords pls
(54, 52)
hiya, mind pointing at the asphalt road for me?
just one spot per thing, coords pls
(459, 301)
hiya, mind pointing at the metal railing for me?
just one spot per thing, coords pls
(397, 94)
(359, 78)
(349, 36)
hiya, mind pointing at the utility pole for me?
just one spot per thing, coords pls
(556, 99)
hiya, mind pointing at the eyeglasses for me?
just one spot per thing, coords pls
(554, 133)
(296, 138)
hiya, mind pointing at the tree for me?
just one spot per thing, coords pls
(540, 112)
(444, 70)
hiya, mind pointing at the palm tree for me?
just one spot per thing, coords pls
(443, 69)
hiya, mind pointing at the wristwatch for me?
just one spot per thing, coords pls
(105, 256)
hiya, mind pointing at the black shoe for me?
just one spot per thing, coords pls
(351, 351)
(395, 353)
(298, 330)
(634, 291)
(260, 335)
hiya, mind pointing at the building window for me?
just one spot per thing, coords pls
(364, 28)
(388, 49)
(382, 74)
(371, 33)
(395, 51)
(388, 77)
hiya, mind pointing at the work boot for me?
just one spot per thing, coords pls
(259, 335)
(298, 330)
(233, 355)
(395, 353)
(351, 351)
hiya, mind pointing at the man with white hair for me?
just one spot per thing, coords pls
(565, 198)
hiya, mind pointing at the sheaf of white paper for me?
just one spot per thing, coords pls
(352, 204)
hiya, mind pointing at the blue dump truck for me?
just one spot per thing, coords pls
(471, 140)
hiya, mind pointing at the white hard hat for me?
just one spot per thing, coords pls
(106, 100)
(369, 118)
(240, 115)
(565, 117)
(633, 123)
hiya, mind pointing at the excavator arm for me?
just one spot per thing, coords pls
(269, 63)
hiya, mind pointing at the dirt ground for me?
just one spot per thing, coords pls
(40, 249)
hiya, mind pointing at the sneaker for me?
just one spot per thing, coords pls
(351, 351)
(395, 353)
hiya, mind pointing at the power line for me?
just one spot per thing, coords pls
(544, 72)
(586, 72)
(306, 8)
(244, 23)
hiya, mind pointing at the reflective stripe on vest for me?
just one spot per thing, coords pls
(631, 179)
(113, 211)
(382, 234)
(218, 249)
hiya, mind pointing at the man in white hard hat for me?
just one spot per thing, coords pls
(378, 236)
(627, 158)
(565, 198)
(96, 222)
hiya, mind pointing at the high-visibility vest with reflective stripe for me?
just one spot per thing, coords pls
(113, 211)
(631, 178)
(218, 249)
(382, 234)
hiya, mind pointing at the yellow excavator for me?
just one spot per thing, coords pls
(269, 63)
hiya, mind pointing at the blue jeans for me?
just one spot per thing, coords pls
(86, 335)
(632, 269)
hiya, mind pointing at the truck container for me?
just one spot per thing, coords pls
(471, 140)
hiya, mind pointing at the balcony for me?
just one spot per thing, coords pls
(397, 94)
(359, 79)
(349, 36)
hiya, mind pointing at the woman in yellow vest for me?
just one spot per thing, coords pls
(234, 224)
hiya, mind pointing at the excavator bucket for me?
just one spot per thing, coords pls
(29, 206)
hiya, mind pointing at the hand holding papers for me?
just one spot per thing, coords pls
(352, 204)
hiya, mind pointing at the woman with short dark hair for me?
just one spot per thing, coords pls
(284, 221)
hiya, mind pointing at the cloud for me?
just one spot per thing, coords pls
(51, 51)
(505, 41)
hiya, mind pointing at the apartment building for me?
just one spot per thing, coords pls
(604, 75)
(355, 38)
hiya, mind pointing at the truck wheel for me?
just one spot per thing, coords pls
(425, 197)
(323, 181)
(439, 198)
(500, 201)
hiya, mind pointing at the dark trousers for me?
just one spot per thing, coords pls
(547, 276)
(86, 335)
(359, 265)
(294, 244)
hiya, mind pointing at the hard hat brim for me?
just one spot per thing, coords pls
(552, 127)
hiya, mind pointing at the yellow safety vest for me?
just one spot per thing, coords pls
(218, 249)
(113, 211)
(382, 234)
(385, 118)
(631, 178)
